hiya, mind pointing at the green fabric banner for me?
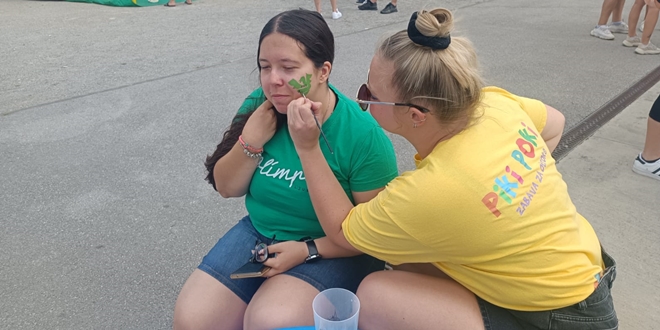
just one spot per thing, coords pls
(128, 3)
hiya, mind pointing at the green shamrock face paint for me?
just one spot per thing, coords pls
(303, 85)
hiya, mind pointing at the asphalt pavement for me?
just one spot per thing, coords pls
(107, 113)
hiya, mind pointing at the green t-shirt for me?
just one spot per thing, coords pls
(278, 200)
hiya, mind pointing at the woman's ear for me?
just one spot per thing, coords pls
(325, 70)
(418, 118)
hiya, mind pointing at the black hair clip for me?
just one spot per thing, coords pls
(422, 40)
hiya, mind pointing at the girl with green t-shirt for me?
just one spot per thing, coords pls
(257, 159)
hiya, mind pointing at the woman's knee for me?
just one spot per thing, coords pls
(205, 303)
(371, 288)
(275, 315)
(282, 301)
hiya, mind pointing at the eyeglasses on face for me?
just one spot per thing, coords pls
(364, 99)
(260, 252)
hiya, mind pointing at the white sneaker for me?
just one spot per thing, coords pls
(632, 42)
(336, 14)
(622, 27)
(641, 166)
(649, 49)
(602, 32)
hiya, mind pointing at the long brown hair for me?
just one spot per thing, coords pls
(317, 42)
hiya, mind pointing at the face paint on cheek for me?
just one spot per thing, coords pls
(303, 85)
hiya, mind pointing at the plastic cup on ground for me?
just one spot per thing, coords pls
(336, 309)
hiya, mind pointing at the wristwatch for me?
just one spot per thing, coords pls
(313, 252)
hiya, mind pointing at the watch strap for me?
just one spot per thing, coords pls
(313, 252)
(311, 247)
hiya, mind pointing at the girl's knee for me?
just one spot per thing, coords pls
(373, 284)
(271, 316)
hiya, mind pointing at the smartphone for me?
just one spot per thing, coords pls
(250, 269)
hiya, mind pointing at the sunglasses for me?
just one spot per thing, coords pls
(260, 252)
(364, 100)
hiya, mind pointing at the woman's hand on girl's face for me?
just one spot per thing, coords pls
(302, 125)
(288, 255)
(261, 125)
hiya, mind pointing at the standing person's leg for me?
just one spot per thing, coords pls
(368, 5)
(390, 8)
(617, 13)
(633, 17)
(641, 25)
(601, 30)
(618, 25)
(335, 11)
(646, 47)
(649, 23)
(648, 161)
(317, 4)
(652, 144)
(607, 10)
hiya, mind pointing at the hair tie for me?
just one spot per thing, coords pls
(422, 40)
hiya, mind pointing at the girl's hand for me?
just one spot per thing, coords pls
(302, 125)
(260, 127)
(289, 254)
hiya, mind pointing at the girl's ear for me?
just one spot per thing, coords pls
(325, 72)
(417, 117)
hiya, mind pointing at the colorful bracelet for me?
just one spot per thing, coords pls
(250, 151)
(249, 147)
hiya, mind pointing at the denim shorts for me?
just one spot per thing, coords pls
(595, 312)
(234, 249)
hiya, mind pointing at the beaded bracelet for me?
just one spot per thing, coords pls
(256, 156)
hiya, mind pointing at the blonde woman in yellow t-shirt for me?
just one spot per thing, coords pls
(483, 230)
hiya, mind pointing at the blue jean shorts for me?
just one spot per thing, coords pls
(233, 250)
(595, 312)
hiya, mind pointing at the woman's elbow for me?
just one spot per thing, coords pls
(562, 122)
(229, 192)
(224, 193)
(555, 124)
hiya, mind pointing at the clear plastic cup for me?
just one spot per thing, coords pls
(336, 309)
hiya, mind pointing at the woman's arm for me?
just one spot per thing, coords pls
(329, 199)
(554, 127)
(233, 172)
(292, 253)
(327, 247)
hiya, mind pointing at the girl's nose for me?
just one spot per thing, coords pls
(275, 78)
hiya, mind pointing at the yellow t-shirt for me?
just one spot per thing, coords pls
(489, 208)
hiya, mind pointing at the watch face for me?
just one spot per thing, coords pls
(313, 258)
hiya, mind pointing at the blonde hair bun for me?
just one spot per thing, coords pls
(438, 22)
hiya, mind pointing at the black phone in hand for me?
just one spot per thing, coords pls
(250, 269)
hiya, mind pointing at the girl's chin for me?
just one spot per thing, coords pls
(281, 108)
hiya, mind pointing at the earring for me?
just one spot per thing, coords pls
(414, 125)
